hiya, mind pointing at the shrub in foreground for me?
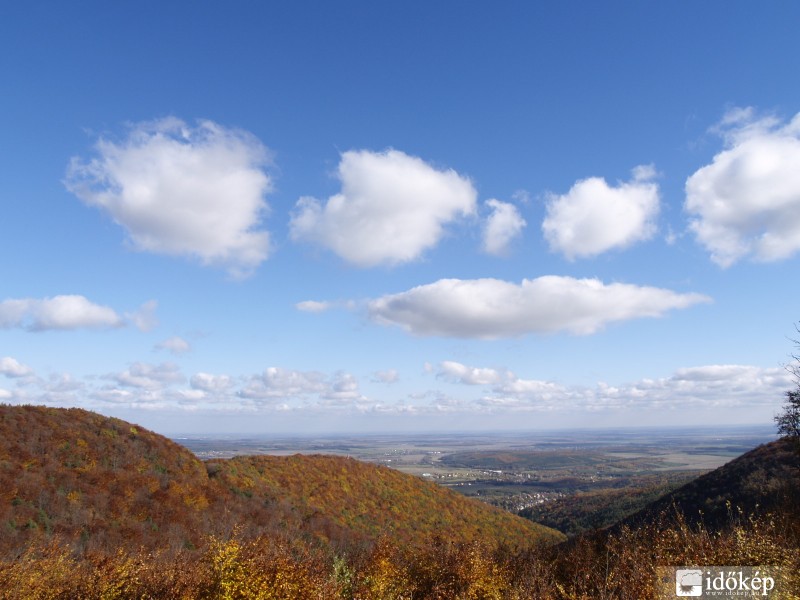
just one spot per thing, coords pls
(601, 566)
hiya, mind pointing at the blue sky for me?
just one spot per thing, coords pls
(370, 216)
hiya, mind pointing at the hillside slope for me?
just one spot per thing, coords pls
(596, 509)
(102, 483)
(373, 500)
(95, 480)
(763, 480)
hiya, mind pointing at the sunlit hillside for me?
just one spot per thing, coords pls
(98, 483)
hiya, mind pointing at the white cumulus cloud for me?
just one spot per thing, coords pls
(746, 203)
(492, 308)
(392, 207)
(594, 217)
(501, 227)
(11, 367)
(180, 190)
(59, 312)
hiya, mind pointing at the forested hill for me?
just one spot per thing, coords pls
(372, 499)
(762, 480)
(100, 483)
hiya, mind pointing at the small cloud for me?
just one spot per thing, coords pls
(502, 227)
(521, 197)
(213, 384)
(149, 377)
(388, 376)
(343, 387)
(57, 313)
(144, 319)
(594, 217)
(456, 372)
(176, 345)
(276, 382)
(182, 191)
(70, 312)
(644, 173)
(114, 396)
(10, 367)
(312, 306)
(391, 209)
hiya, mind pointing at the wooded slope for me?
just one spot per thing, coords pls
(760, 481)
(100, 483)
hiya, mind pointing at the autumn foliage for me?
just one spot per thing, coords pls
(370, 500)
(620, 566)
(99, 483)
(93, 507)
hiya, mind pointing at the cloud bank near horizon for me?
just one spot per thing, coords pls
(314, 394)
